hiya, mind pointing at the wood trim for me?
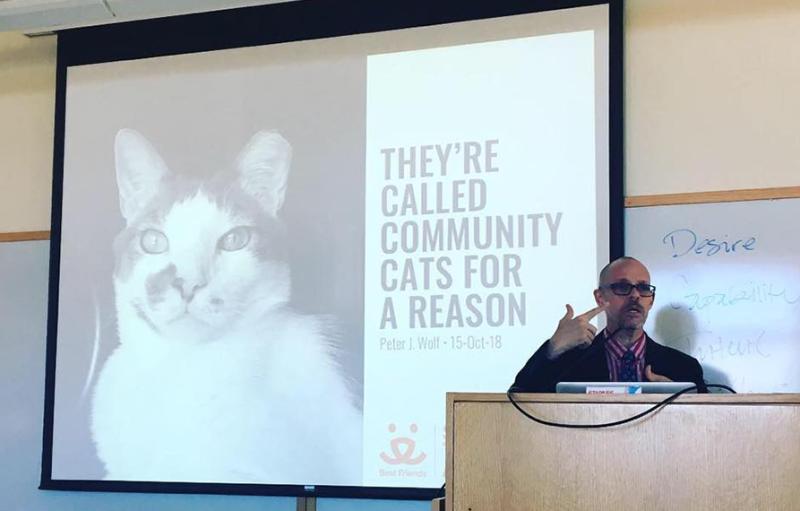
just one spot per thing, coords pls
(449, 443)
(726, 399)
(24, 236)
(787, 192)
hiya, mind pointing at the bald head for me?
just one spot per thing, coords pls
(608, 270)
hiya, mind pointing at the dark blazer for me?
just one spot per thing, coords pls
(541, 374)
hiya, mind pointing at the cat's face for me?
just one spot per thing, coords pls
(195, 258)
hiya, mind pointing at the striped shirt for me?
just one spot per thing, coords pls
(615, 352)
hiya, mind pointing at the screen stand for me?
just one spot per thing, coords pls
(306, 504)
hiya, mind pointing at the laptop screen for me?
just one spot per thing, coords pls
(621, 387)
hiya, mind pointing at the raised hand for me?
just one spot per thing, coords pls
(573, 332)
(651, 376)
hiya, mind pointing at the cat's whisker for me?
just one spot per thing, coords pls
(95, 350)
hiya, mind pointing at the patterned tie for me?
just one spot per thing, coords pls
(627, 371)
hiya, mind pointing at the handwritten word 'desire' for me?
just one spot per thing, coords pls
(686, 241)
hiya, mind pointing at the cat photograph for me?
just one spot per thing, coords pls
(216, 377)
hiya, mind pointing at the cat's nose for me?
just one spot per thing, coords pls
(187, 288)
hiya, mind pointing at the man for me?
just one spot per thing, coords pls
(621, 352)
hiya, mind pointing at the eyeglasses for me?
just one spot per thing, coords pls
(625, 288)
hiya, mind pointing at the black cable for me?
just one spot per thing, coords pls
(652, 409)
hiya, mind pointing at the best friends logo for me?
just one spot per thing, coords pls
(402, 449)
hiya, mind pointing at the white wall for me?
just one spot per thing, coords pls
(712, 98)
(27, 105)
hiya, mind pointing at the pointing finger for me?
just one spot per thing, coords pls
(594, 312)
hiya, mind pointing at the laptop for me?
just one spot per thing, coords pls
(639, 387)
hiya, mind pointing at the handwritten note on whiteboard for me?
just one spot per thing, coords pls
(727, 280)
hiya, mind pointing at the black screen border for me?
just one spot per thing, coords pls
(270, 24)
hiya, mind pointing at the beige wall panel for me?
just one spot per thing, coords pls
(27, 103)
(711, 95)
(711, 103)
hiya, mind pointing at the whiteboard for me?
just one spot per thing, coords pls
(727, 279)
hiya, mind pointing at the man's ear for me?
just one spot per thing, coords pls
(599, 298)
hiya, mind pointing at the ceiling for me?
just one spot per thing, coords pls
(36, 16)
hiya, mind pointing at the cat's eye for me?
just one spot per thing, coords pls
(153, 241)
(235, 239)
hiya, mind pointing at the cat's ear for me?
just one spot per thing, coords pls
(263, 166)
(140, 170)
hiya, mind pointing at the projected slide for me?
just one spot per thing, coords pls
(275, 261)
(469, 216)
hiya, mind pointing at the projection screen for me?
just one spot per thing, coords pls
(281, 234)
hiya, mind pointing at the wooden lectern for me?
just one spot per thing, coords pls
(702, 452)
